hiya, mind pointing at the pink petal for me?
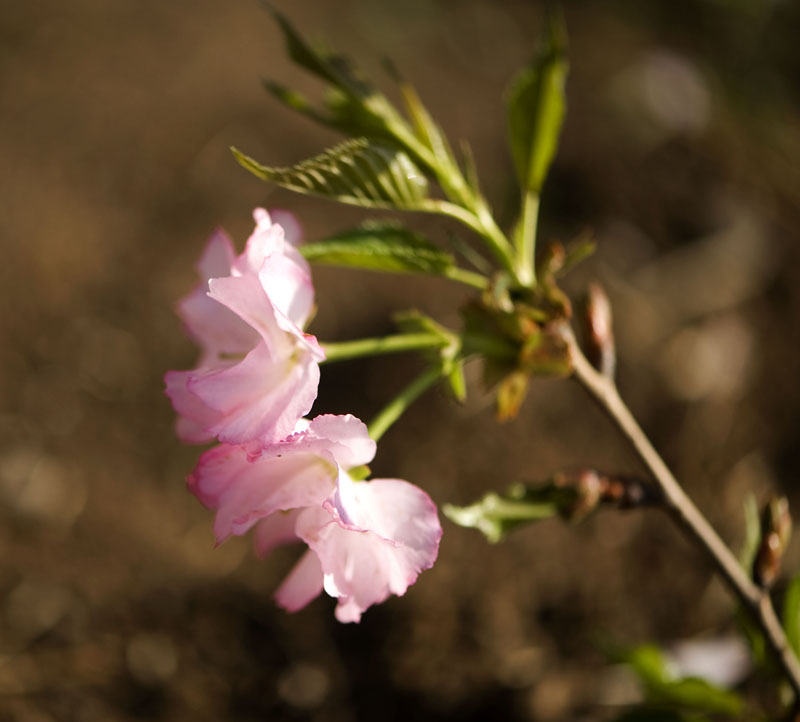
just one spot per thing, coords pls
(275, 530)
(194, 415)
(260, 398)
(292, 230)
(288, 285)
(303, 584)
(396, 537)
(266, 240)
(217, 258)
(345, 437)
(246, 298)
(243, 492)
(217, 330)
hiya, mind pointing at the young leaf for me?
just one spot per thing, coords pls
(355, 106)
(536, 106)
(358, 172)
(325, 67)
(495, 516)
(381, 248)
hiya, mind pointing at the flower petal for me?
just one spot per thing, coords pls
(303, 584)
(396, 535)
(261, 398)
(243, 492)
(194, 416)
(275, 530)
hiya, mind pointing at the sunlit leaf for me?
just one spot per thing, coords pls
(358, 172)
(536, 107)
(382, 248)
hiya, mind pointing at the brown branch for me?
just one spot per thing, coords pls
(755, 599)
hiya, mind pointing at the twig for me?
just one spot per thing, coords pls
(755, 599)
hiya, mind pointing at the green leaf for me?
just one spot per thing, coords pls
(355, 106)
(358, 172)
(381, 248)
(690, 694)
(331, 69)
(698, 695)
(536, 105)
(791, 614)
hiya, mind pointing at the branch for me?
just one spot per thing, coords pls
(755, 599)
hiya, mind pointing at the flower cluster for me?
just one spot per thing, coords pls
(285, 476)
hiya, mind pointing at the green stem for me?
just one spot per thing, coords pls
(462, 275)
(395, 408)
(526, 241)
(344, 350)
(485, 227)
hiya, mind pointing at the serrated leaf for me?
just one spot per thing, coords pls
(536, 107)
(359, 172)
(791, 614)
(380, 248)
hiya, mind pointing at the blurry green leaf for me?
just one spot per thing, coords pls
(324, 66)
(791, 614)
(755, 638)
(648, 663)
(381, 248)
(698, 695)
(295, 100)
(425, 129)
(356, 108)
(577, 252)
(536, 106)
(752, 533)
(358, 172)
(456, 381)
(496, 516)
(690, 694)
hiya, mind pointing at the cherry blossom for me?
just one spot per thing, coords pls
(366, 540)
(258, 372)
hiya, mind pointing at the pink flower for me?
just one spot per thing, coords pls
(366, 540)
(297, 472)
(369, 540)
(258, 372)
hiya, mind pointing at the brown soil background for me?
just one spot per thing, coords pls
(680, 153)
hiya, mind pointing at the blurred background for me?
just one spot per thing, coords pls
(680, 153)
